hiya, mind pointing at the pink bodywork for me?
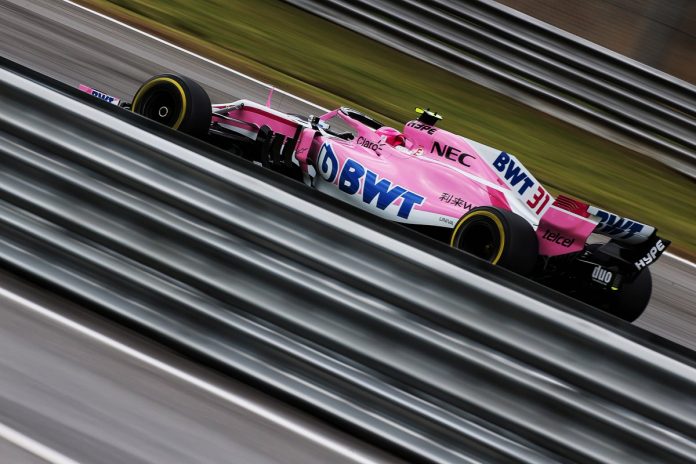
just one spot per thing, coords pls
(443, 176)
(421, 176)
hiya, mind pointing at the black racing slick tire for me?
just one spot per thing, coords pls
(176, 102)
(627, 303)
(500, 237)
(632, 299)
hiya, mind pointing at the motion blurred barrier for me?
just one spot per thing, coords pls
(430, 354)
(533, 62)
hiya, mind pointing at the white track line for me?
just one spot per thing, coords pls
(196, 55)
(237, 400)
(681, 260)
(237, 73)
(34, 447)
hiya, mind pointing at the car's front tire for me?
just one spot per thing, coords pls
(176, 102)
(500, 237)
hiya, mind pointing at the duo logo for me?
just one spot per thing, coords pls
(373, 187)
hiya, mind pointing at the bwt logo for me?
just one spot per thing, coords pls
(613, 225)
(328, 163)
(373, 188)
(103, 96)
(513, 174)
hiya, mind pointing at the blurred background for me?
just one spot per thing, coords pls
(661, 34)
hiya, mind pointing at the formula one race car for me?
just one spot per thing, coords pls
(476, 198)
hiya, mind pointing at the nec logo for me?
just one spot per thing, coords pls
(451, 153)
(382, 190)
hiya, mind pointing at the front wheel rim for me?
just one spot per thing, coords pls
(162, 104)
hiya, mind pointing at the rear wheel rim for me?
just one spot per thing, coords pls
(481, 239)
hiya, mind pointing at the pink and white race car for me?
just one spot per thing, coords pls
(476, 198)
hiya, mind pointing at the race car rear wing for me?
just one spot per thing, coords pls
(634, 244)
(620, 228)
(611, 225)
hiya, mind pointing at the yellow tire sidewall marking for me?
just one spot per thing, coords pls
(496, 220)
(159, 80)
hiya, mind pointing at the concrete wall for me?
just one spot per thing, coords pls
(660, 33)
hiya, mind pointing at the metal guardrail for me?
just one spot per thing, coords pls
(537, 64)
(430, 354)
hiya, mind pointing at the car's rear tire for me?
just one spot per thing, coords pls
(627, 303)
(632, 299)
(175, 101)
(500, 237)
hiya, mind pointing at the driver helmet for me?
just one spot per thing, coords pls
(391, 136)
